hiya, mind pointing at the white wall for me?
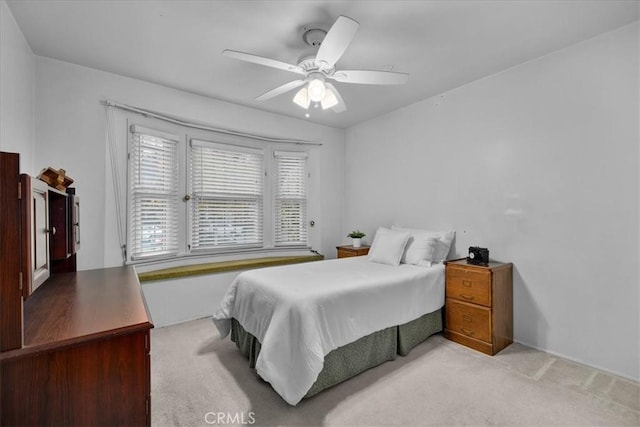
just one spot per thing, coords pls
(179, 300)
(16, 91)
(540, 164)
(71, 133)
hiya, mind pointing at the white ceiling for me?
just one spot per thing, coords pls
(441, 44)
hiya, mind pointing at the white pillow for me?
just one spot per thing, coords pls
(444, 240)
(420, 248)
(388, 246)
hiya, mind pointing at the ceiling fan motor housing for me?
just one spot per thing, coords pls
(314, 36)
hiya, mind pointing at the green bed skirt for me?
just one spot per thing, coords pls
(350, 360)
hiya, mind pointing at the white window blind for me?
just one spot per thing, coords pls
(290, 202)
(154, 199)
(227, 189)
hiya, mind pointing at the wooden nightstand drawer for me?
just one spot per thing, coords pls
(349, 251)
(469, 285)
(468, 319)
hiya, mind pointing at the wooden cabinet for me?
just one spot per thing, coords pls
(479, 305)
(50, 222)
(85, 359)
(349, 251)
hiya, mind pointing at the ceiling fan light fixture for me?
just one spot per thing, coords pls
(302, 98)
(316, 87)
(329, 99)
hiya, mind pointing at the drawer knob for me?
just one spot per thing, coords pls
(467, 332)
(467, 297)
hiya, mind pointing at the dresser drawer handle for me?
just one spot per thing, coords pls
(466, 283)
(467, 332)
(466, 318)
(467, 297)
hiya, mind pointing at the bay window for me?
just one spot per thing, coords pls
(211, 196)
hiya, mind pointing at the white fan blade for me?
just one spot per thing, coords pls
(370, 77)
(340, 106)
(336, 41)
(267, 62)
(280, 90)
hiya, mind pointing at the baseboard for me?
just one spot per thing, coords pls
(582, 362)
(179, 322)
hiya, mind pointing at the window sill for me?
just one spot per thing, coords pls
(224, 266)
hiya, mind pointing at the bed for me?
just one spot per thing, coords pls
(306, 327)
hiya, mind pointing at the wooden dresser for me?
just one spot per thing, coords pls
(74, 346)
(479, 305)
(85, 359)
(349, 251)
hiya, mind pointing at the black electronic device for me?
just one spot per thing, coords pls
(478, 256)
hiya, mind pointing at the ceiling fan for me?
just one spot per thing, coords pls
(317, 69)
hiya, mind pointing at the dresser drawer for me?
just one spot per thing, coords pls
(469, 285)
(469, 319)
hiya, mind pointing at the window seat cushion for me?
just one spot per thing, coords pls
(224, 266)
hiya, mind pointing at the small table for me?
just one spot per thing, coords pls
(349, 251)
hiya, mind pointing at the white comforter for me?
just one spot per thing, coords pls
(301, 312)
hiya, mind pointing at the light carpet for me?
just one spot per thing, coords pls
(197, 379)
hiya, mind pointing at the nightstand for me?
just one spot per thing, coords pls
(479, 305)
(349, 251)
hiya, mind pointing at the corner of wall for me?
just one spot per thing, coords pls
(17, 86)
